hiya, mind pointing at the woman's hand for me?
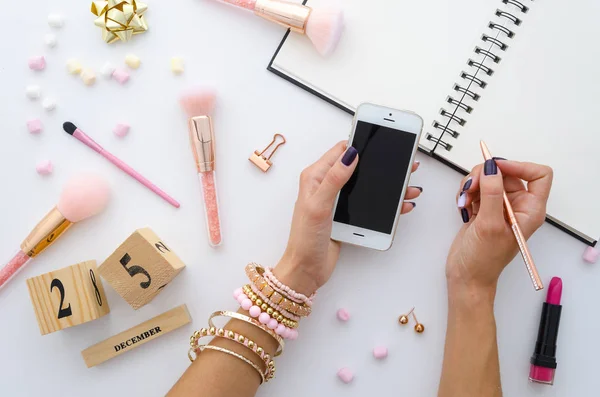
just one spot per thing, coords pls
(311, 255)
(486, 244)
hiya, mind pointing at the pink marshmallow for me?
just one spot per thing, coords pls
(345, 375)
(380, 352)
(37, 63)
(35, 126)
(343, 315)
(121, 75)
(121, 130)
(591, 255)
(44, 167)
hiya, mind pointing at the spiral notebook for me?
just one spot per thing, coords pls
(521, 75)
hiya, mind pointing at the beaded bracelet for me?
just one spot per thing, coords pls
(284, 289)
(251, 321)
(287, 318)
(201, 348)
(254, 273)
(240, 339)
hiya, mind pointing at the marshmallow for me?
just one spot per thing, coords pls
(107, 70)
(132, 61)
(50, 40)
(380, 352)
(121, 75)
(177, 65)
(44, 167)
(33, 92)
(56, 20)
(35, 126)
(49, 104)
(37, 63)
(121, 130)
(345, 375)
(73, 66)
(343, 315)
(88, 76)
(591, 255)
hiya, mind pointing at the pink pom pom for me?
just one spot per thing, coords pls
(343, 315)
(254, 311)
(246, 304)
(345, 375)
(264, 318)
(83, 196)
(280, 330)
(380, 352)
(272, 324)
(237, 293)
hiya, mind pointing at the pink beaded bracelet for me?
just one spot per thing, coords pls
(284, 289)
(274, 305)
(263, 317)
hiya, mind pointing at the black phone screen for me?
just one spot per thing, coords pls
(370, 198)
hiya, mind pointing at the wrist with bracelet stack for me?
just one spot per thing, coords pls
(273, 308)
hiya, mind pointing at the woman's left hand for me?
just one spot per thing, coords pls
(311, 255)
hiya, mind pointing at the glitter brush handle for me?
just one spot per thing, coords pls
(14, 266)
(211, 207)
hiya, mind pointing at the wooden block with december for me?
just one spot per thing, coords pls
(70, 296)
(141, 267)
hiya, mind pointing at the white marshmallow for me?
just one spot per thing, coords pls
(56, 20)
(50, 40)
(73, 66)
(132, 61)
(177, 65)
(107, 70)
(33, 92)
(88, 76)
(49, 104)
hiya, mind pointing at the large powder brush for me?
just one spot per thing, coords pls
(322, 25)
(82, 197)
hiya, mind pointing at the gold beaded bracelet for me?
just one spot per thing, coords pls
(251, 321)
(255, 274)
(239, 339)
(201, 348)
(265, 307)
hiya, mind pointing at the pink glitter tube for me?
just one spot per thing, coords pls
(211, 207)
(14, 266)
(247, 4)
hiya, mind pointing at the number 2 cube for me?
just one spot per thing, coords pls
(70, 296)
(141, 267)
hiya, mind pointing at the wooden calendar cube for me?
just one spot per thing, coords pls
(67, 297)
(141, 267)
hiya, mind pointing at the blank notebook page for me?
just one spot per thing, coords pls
(542, 105)
(399, 53)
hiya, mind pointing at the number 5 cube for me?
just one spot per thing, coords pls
(70, 296)
(141, 267)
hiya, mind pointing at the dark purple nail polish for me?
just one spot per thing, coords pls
(349, 156)
(498, 158)
(465, 215)
(490, 167)
(418, 187)
(413, 204)
(468, 184)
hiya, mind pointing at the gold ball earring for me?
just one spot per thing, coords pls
(419, 328)
(403, 319)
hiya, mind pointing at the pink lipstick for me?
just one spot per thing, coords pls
(543, 360)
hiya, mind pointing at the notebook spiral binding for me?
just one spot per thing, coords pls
(481, 66)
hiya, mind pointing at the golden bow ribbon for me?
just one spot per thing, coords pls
(119, 19)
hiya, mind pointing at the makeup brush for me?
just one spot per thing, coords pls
(199, 105)
(81, 136)
(82, 197)
(322, 25)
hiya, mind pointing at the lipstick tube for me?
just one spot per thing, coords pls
(543, 360)
(202, 141)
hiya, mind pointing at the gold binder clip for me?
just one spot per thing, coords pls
(264, 162)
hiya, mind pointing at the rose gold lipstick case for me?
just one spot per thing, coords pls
(290, 15)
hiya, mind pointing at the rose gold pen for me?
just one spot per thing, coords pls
(512, 219)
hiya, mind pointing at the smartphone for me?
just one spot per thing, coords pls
(368, 207)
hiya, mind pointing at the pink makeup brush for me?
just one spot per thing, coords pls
(199, 106)
(72, 129)
(323, 25)
(82, 197)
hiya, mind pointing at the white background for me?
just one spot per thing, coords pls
(230, 50)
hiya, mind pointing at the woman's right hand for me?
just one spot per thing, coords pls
(486, 244)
